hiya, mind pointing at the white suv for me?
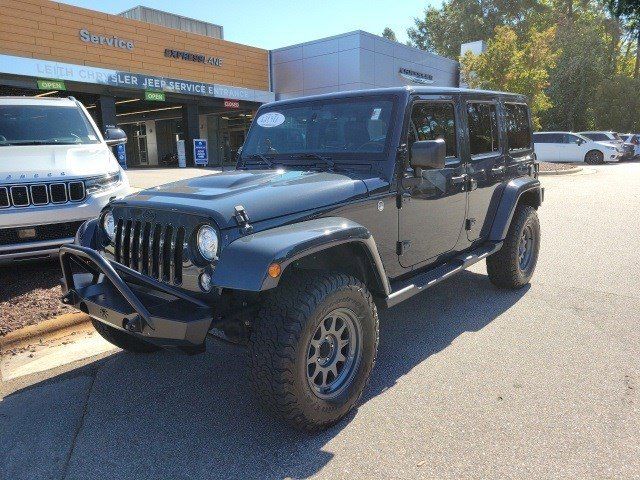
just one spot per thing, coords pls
(56, 171)
(573, 147)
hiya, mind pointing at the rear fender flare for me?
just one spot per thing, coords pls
(243, 264)
(517, 190)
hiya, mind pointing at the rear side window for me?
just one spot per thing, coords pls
(518, 131)
(483, 128)
(597, 137)
(431, 121)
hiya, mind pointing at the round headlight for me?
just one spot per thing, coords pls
(109, 226)
(208, 242)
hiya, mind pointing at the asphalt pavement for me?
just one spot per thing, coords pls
(470, 382)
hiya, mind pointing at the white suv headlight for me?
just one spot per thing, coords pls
(106, 182)
(109, 225)
(208, 242)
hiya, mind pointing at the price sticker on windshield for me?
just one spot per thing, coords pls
(270, 120)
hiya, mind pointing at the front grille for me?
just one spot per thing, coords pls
(37, 233)
(4, 197)
(39, 194)
(151, 248)
(19, 195)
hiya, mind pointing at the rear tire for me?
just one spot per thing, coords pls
(513, 265)
(123, 340)
(594, 157)
(313, 347)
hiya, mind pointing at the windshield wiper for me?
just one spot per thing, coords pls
(257, 156)
(310, 155)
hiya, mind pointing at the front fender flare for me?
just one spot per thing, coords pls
(513, 192)
(243, 264)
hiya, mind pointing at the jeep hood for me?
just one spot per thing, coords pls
(22, 163)
(264, 194)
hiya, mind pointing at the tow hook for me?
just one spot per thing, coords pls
(70, 298)
(132, 325)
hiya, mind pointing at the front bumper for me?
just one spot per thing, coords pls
(124, 299)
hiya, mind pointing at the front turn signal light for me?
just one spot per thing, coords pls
(275, 270)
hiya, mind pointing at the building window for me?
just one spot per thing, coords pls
(518, 131)
(431, 121)
(483, 128)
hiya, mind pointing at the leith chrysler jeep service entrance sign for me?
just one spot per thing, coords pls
(111, 41)
(32, 67)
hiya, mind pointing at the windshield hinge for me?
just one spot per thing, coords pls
(242, 217)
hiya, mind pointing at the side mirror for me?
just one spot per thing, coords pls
(428, 154)
(115, 136)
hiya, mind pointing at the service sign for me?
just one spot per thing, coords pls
(200, 152)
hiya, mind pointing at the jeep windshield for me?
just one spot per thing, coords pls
(44, 125)
(352, 130)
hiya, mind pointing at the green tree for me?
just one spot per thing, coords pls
(389, 34)
(629, 10)
(514, 65)
(443, 30)
(582, 65)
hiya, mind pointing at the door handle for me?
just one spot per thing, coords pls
(459, 180)
(498, 170)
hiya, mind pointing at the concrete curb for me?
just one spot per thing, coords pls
(561, 172)
(43, 328)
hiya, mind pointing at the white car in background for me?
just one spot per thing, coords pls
(56, 171)
(573, 147)
(613, 138)
(634, 140)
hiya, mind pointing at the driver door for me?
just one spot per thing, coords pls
(434, 204)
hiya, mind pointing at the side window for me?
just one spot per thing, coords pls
(518, 130)
(430, 121)
(568, 138)
(483, 128)
(555, 138)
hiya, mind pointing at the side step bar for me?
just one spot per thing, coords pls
(407, 288)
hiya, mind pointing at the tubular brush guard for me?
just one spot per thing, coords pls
(143, 307)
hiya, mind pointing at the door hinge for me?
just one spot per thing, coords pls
(469, 222)
(402, 247)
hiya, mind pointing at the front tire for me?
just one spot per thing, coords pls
(123, 340)
(313, 347)
(594, 157)
(513, 265)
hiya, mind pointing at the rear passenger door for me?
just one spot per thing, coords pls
(486, 163)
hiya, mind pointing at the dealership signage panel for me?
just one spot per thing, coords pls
(193, 57)
(80, 73)
(200, 152)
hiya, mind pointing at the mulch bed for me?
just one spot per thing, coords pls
(556, 167)
(29, 294)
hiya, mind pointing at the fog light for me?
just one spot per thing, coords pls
(205, 282)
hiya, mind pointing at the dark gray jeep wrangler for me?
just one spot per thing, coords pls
(340, 205)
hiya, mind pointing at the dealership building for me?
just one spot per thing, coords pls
(164, 78)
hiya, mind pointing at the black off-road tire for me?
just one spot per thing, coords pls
(280, 340)
(123, 340)
(594, 157)
(504, 266)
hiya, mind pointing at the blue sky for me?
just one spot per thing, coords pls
(277, 23)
